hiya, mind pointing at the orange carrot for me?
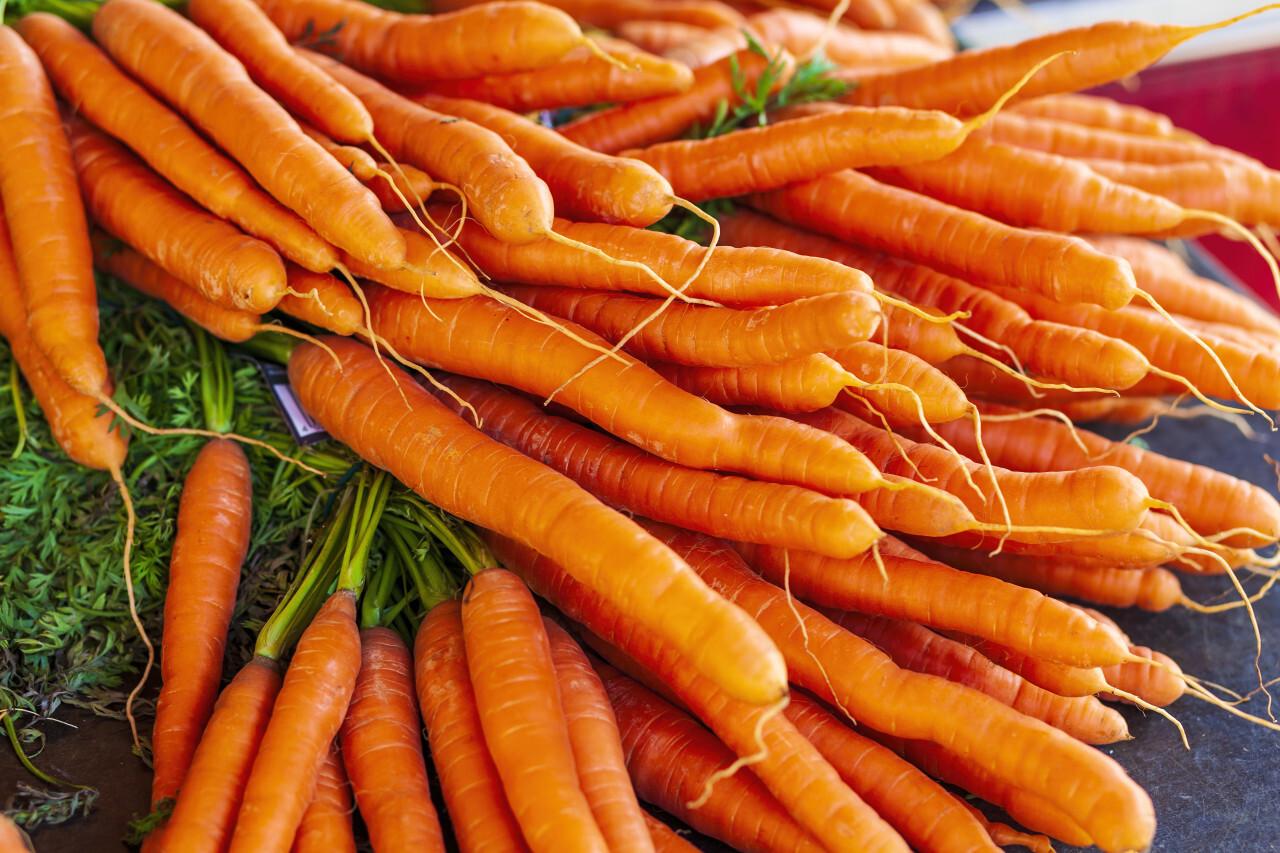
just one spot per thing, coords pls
(664, 838)
(354, 403)
(655, 35)
(12, 838)
(190, 71)
(382, 748)
(607, 15)
(325, 301)
(799, 32)
(800, 385)
(1102, 112)
(428, 270)
(913, 387)
(326, 824)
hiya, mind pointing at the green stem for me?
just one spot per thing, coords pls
(379, 599)
(269, 347)
(26, 762)
(457, 538)
(217, 394)
(371, 500)
(430, 578)
(18, 411)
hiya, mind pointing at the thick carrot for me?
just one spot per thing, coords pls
(326, 824)
(658, 119)
(382, 748)
(517, 698)
(800, 32)
(1158, 683)
(627, 477)
(189, 70)
(800, 385)
(597, 747)
(478, 810)
(855, 208)
(585, 184)
(135, 204)
(211, 541)
(115, 102)
(307, 716)
(481, 338)
(214, 785)
(1244, 193)
(50, 240)
(488, 39)
(582, 77)
(424, 441)
(672, 758)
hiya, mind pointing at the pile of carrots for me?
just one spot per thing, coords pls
(821, 470)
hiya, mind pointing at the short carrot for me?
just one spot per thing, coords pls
(898, 385)
(324, 301)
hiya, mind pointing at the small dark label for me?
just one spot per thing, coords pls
(304, 429)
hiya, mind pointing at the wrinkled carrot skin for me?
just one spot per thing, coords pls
(115, 102)
(415, 184)
(307, 716)
(1055, 677)
(585, 184)
(204, 815)
(190, 71)
(1248, 194)
(421, 48)
(135, 204)
(49, 238)
(503, 193)
(326, 824)
(936, 398)
(1158, 683)
(799, 385)
(245, 31)
(115, 258)
(427, 271)
(653, 120)
(670, 757)
(710, 46)
(354, 401)
(930, 341)
(330, 305)
(212, 538)
(664, 838)
(799, 33)
(701, 13)
(597, 746)
(1069, 139)
(712, 337)
(918, 807)
(382, 748)
(80, 430)
(517, 697)
(478, 810)
(626, 477)
(580, 78)
(1100, 112)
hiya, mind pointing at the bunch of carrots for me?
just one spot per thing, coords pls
(814, 472)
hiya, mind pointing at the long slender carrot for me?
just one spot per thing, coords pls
(326, 825)
(382, 748)
(415, 444)
(903, 388)
(1103, 112)
(800, 32)
(607, 15)
(478, 810)
(39, 195)
(190, 71)
(597, 746)
(517, 698)
(627, 477)
(799, 385)
(204, 570)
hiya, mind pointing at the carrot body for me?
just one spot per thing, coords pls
(1095, 111)
(799, 385)
(204, 570)
(597, 746)
(1069, 139)
(326, 824)
(478, 811)
(306, 718)
(190, 71)
(330, 305)
(427, 440)
(12, 838)
(607, 15)
(382, 748)
(629, 478)
(514, 678)
(115, 102)
(135, 204)
(799, 32)
(855, 208)
(1158, 683)
(49, 238)
(428, 270)
(211, 793)
(922, 390)
(665, 839)
(1240, 191)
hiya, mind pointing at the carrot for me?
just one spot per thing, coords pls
(597, 747)
(672, 758)
(1240, 192)
(912, 388)
(655, 35)
(709, 46)
(306, 718)
(1101, 112)
(629, 478)
(922, 331)
(800, 385)
(427, 271)
(610, 72)
(387, 184)
(382, 748)
(923, 19)
(801, 32)
(1062, 268)
(664, 838)
(919, 649)
(712, 337)
(39, 194)
(325, 301)
(115, 102)
(658, 119)
(1159, 683)
(864, 14)
(481, 338)
(212, 539)
(345, 402)
(190, 71)
(134, 204)
(326, 824)
(12, 838)
(1055, 677)
(609, 14)
(509, 658)
(214, 784)
(922, 590)
(970, 81)
(478, 810)
(585, 184)
(413, 49)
